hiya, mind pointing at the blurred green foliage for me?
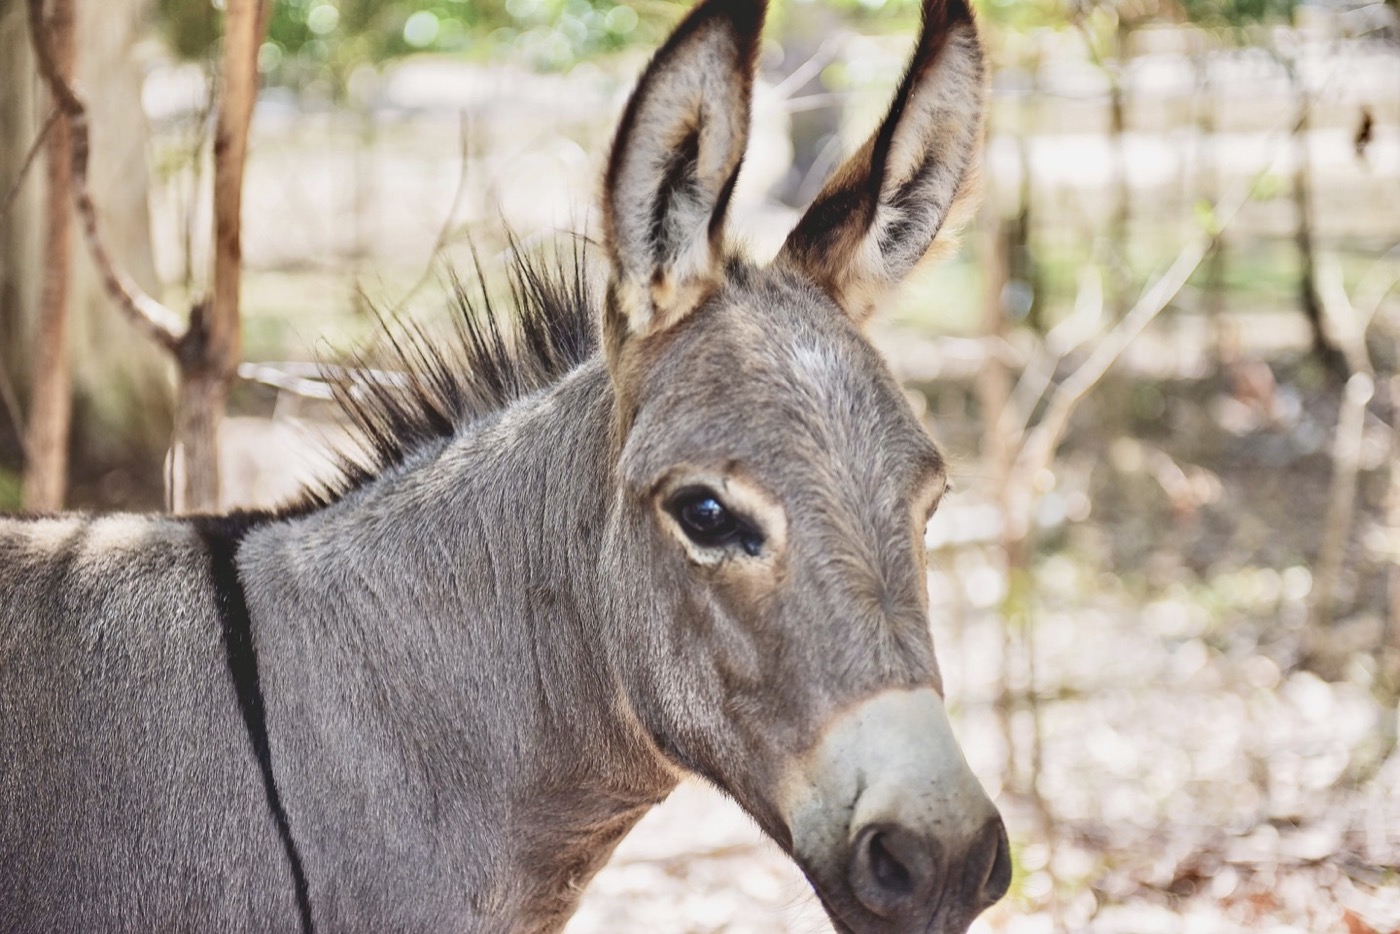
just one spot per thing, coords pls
(1237, 13)
(309, 40)
(9, 491)
(324, 41)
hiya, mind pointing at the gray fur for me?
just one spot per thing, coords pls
(483, 666)
(129, 799)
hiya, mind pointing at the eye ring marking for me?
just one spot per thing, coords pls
(708, 523)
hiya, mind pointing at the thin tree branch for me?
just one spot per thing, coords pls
(1039, 448)
(1346, 322)
(1045, 436)
(1376, 283)
(1062, 341)
(159, 323)
(824, 55)
(445, 233)
(28, 162)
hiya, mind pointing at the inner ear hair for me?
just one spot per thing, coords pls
(882, 211)
(674, 163)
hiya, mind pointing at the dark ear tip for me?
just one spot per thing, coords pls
(943, 14)
(745, 15)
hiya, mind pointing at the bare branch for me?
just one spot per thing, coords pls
(824, 55)
(1039, 448)
(808, 102)
(160, 323)
(28, 162)
(1347, 324)
(1063, 339)
(445, 233)
(1040, 445)
(1376, 283)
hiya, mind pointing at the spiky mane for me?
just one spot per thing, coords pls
(415, 389)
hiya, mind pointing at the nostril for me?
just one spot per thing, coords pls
(888, 871)
(890, 868)
(998, 878)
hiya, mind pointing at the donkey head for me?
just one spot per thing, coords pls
(766, 535)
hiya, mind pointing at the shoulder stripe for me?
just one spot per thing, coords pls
(221, 537)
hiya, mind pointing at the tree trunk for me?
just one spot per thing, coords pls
(51, 399)
(195, 468)
(21, 239)
(122, 403)
(210, 350)
(123, 384)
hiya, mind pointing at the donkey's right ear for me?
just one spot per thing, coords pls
(673, 166)
(879, 215)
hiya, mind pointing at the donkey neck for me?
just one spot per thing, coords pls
(435, 672)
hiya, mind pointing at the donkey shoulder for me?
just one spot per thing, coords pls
(120, 728)
(72, 568)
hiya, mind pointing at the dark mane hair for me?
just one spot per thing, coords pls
(417, 388)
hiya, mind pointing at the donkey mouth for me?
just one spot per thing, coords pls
(883, 884)
(891, 826)
(848, 916)
(833, 915)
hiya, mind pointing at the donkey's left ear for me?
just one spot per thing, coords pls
(879, 215)
(673, 167)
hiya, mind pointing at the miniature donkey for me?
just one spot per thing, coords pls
(579, 568)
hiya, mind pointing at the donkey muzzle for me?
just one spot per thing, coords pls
(890, 823)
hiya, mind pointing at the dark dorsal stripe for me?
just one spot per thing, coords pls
(222, 536)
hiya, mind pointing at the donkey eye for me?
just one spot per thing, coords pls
(704, 518)
(708, 523)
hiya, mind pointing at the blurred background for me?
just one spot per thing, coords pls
(1166, 593)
